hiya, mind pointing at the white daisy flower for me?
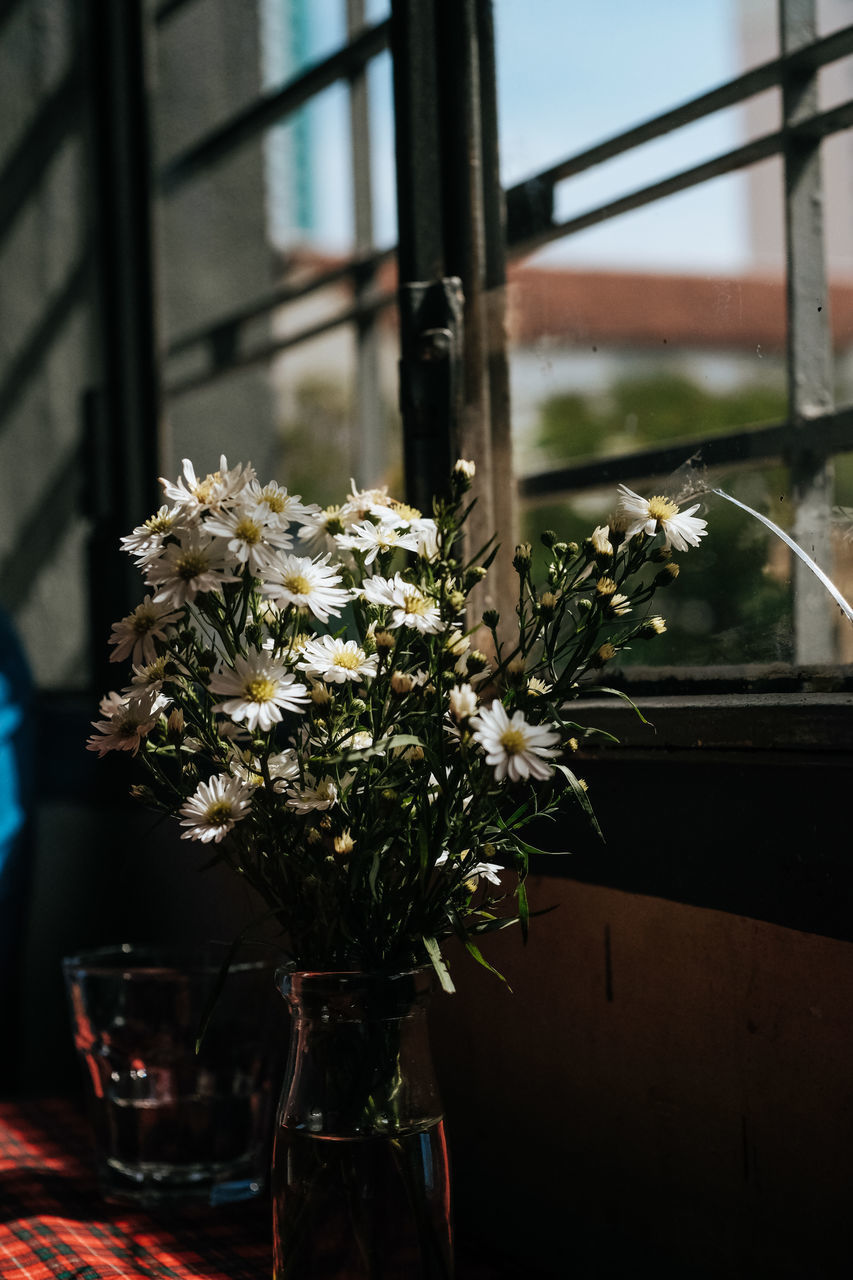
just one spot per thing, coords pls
(135, 635)
(148, 679)
(307, 584)
(319, 529)
(426, 532)
(313, 796)
(244, 765)
(127, 721)
(680, 528)
(480, 871)
(249, 535)
(514, 748)
(278, 506)
(463, 702)
(147, 539)
(408, 604)
(215, 808)
(600, 539)
(185, 568)
(193, 494)
(370, 539)
(336, 661)
(490, 871)
(360, 503)
(260, 689)
(283, 768)
(424, 529)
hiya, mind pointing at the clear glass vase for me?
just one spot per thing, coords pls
(361, 1185)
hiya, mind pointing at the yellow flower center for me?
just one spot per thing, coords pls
(206, 489)
(405, 512)
(219, 814)
(605, 586)
(190, 565)
(275, 501)
(259, 689)
(247, 531)
(142, 623)
(414, 602)
(159, 524)
(661, 508)
(349, 659)
(512, 741)
(297, 584)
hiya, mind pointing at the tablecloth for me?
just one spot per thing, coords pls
(55, 1226)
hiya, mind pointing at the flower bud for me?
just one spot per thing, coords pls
(384, 640)
(474, 575)
(343, 843)
(402, 682)
(653, 627)
(667, 575)
(476, 661)
(359, 706)
(491, 618)
(547, 604)
(603, 654)
(548, 538)
(456, 600)
(521, 559)
(515, 670)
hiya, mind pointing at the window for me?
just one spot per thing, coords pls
(670, 332)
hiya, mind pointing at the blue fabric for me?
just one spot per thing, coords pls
(16, 770)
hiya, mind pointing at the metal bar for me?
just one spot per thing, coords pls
(350, 271)
(529, 203)
(828, 434)
(366, 448)
(810, 372)
(837, 45)
(265, 352)
(269, 109)
(417, 142)
(127, 393)
(728, 162)
(809, 130)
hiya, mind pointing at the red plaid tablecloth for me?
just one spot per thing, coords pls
(55, 1226)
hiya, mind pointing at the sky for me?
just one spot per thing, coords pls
(571, 73)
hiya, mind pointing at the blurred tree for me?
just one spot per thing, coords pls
(732, 602)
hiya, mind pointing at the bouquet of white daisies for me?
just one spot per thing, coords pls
(312, 703)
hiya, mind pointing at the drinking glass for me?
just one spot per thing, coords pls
(172, 1124)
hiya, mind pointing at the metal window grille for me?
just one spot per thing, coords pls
(814, 429)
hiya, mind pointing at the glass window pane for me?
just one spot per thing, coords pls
(570, 76)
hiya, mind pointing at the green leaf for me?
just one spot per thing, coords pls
(582, 799)
(523, 909)
(620, 693)
(531, 849)
(441, 969)
(474, 950)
